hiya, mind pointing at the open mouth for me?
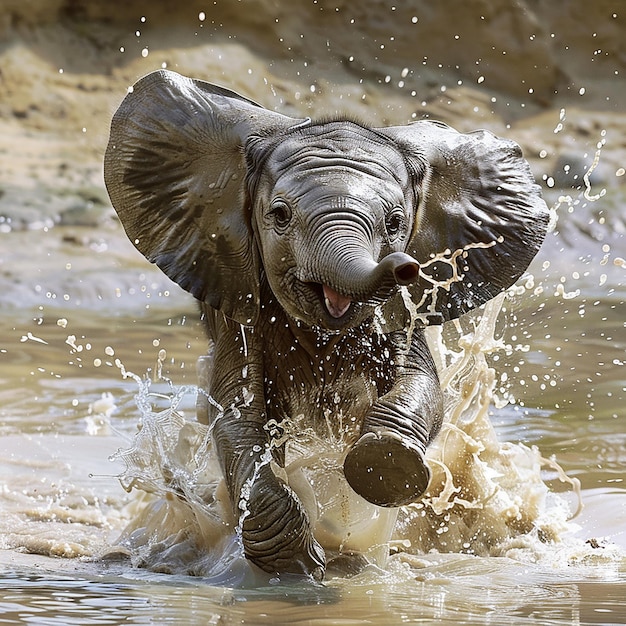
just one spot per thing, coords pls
(336, 304)
(334, 307)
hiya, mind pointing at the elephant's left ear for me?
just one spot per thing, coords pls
(480, 218)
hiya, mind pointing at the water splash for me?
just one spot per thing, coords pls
(485, 498)
(586, 177)
(185, 524)
(483, 492)
(343, 522)
(451, 259)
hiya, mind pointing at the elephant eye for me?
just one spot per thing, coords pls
(394, 223)
(280, 213)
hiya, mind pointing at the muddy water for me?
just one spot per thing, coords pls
(68, 404)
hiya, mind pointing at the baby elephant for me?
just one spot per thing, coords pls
(318, 252)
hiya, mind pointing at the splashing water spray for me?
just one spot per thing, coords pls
(483, 497)
(484, 494)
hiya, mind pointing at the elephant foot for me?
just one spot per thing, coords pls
(386, 470)
(307, 561)
(276, 533)
(346, 565)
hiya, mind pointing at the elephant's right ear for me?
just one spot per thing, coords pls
(175, 172)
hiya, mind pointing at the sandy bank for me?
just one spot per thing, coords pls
(548, 76)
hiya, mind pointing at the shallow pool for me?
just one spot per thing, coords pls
(83, 314)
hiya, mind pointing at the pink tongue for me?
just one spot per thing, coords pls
(336, 304)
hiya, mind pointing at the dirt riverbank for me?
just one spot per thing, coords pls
(550, 77)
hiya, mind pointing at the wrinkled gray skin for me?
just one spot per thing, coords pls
(296, 237)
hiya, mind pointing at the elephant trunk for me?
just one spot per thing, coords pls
(360, 278)
(395, 269)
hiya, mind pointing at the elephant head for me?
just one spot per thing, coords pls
(218, 192)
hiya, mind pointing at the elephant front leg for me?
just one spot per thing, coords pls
(386, 465)
(275, 530)
(274, 527)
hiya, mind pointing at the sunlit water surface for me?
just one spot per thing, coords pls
(493, 543)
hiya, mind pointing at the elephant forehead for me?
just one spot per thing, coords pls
(324, 183)
(337, 153)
